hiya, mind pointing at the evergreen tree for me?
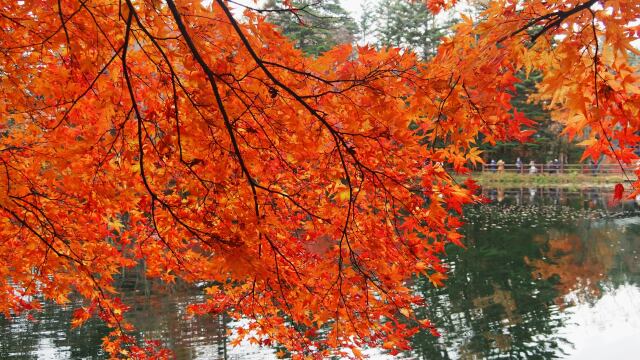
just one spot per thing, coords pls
(366, 22)
(411, 25)
(547, 144)
(316, 27)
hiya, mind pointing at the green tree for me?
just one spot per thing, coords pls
(366, 21)
(314, 26)
(410, 25)
(547, 143)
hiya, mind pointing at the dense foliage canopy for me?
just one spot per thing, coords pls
(307, 192)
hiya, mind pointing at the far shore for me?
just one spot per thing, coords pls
(568, 180)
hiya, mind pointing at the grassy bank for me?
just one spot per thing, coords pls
(563, 180)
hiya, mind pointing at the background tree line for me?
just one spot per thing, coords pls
(319, 25)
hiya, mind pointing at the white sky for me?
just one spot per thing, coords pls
(353, 7)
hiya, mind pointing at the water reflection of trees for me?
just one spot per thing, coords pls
(491, 307)
(504, 297)
(527, 250)
(595, 198)
(581, 264)
(575, 267)
(50, 334)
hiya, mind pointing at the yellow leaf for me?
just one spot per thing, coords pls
(587, 142)
(115, 224)
(344, 195)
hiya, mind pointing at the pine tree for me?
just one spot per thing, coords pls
(547, 143)
(410, 25)
(317, 27)
(366, 21)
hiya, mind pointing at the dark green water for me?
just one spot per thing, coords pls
(547, 273)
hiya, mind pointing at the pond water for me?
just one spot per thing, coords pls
(546, 273)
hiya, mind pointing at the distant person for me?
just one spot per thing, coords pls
(492, 165)
(532, 167)
(518, 165)
(550, 166)
(594, 167)
(556, 165)
(500, 164)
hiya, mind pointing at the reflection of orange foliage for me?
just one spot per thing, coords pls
(502, 297)
(580, 263)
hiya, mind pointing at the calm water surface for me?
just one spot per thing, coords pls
(547, 273)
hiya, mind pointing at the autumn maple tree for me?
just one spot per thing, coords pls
(307, 191)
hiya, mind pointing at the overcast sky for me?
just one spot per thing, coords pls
(353, 7)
